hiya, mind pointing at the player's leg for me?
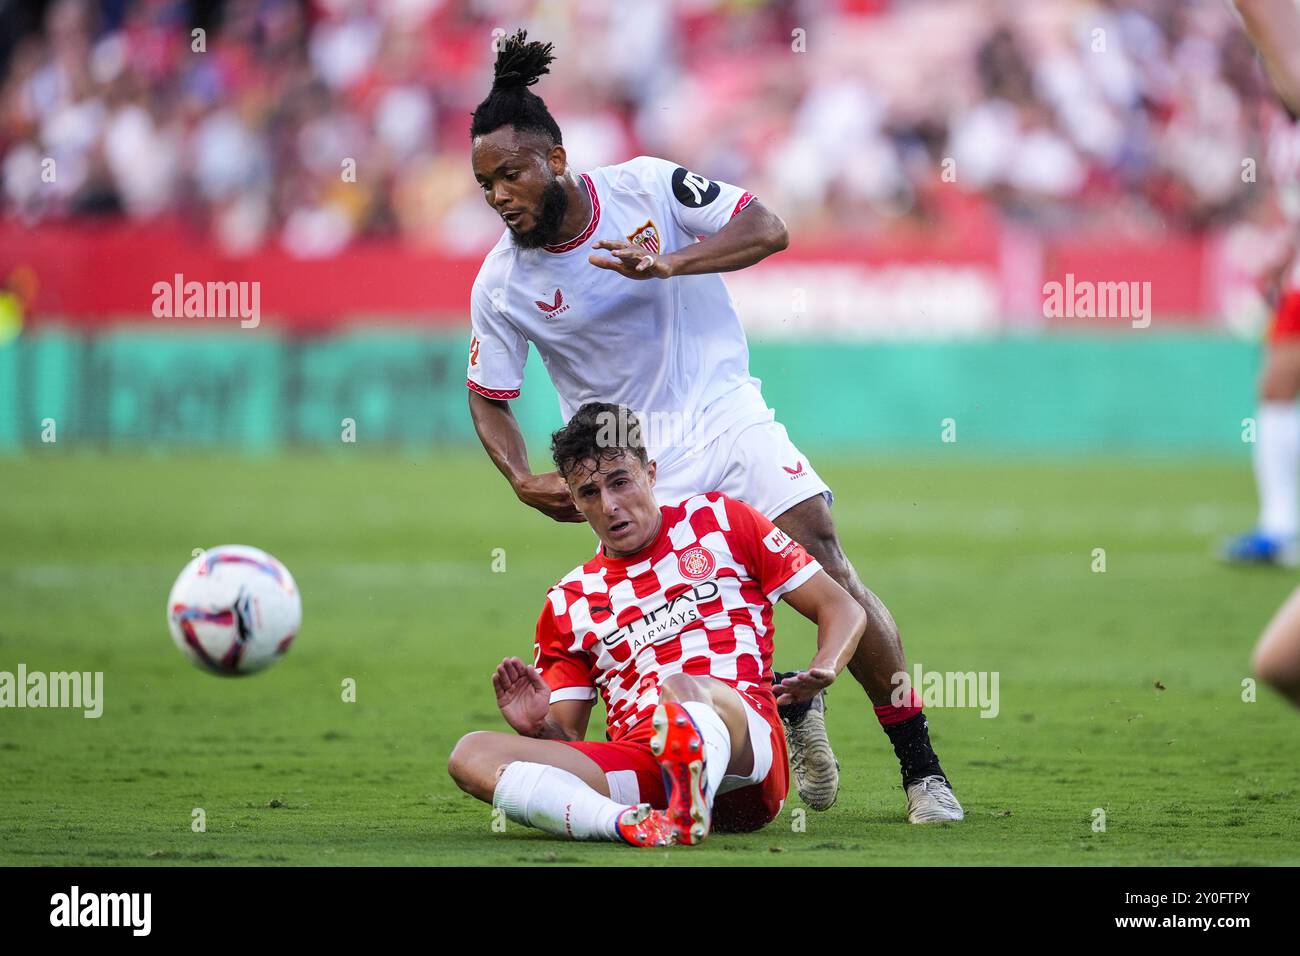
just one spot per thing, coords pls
(701, 736)
(875, 664)
(771, 474)
(755, 462)
(1276, 455)
(551, 786)
(1277, 656)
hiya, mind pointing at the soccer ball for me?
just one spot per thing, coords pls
(234, 610)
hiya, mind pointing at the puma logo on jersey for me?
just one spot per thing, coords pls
(554, 308)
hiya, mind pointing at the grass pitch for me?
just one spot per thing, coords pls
(988, 567)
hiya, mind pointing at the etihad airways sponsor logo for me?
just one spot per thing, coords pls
(664, 621)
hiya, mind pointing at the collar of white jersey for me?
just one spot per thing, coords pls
(582, 237)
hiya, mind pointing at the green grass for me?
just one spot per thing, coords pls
(986, 566)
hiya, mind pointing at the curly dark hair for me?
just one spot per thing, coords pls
(598, 431)
(519, 65)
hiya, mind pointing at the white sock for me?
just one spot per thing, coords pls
(556, 801)
(1277, 468)
(717, 745)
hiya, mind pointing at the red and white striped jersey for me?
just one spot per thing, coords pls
(697, 600)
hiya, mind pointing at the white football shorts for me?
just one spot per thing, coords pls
(753, 461)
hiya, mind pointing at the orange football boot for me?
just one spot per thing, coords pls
(679, 748)
(642, 826)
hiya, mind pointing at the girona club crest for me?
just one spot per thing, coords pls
(695, 563)
(647, 237)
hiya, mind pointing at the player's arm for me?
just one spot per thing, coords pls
(784, 570)
(524, 699)
(840, 623)
(750, 236)
(499, 432)
(1274, 28)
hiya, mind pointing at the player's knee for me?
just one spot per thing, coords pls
(830, 555)
(466, 757)
(1277, 671)
(1280, 381)
(823, 544)
(682, 687)
(1279, 387)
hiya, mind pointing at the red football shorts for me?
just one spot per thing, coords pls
(1286, 323)
(634, 776)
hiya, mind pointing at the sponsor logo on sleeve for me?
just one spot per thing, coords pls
(692, 189)
(777, 541)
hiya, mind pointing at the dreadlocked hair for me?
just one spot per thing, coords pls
(519, 65)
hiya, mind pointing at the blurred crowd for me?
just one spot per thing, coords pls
(316, 123)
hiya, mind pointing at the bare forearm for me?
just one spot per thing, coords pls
(753, 235)
(500, 435)
(839, 628)
(548, 729)
(551, 730)
(1274, 28)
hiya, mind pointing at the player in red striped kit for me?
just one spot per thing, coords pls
(613, 276)
(1274, 28)
(1275, 539)
(671, 623)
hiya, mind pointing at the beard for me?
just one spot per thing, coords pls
(555, 203)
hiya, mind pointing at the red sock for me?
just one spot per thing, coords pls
(891, 713)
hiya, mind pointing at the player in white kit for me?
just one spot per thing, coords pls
(613, 276)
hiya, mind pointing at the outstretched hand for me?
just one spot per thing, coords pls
(804, 685)
(523, 697)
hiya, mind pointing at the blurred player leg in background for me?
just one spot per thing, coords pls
(1277, 447)
(1277, 655)
(1274, 28)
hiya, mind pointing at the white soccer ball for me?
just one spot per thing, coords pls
(234, 610)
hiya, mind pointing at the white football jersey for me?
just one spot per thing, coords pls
(671, 350)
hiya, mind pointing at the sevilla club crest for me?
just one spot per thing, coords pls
(647, 237)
